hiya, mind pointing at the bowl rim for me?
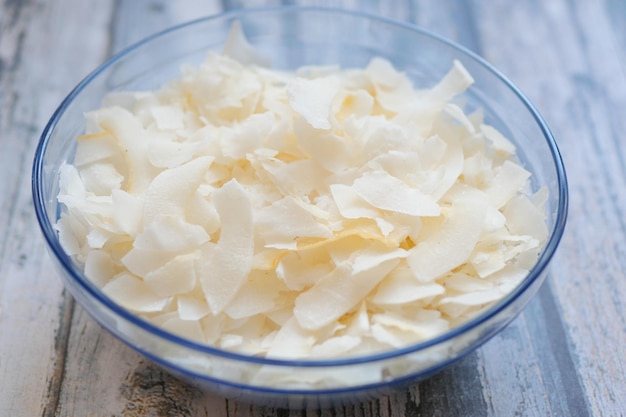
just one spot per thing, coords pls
(77, 276)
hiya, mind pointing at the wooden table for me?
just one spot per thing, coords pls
(564, 356)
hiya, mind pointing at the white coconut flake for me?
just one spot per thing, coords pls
(329, 150)
(451, 245)
(256, 296)
(168, 117)
(335, 346)
(298, 178)
(450, 165)
(246, 137)
(238, 47)
(401, 287)
(506, 183)
(224, 267)
(373, 255)
(291, 341)
(132, 293)
(460, 117)
(499, 142)
(456, 81)
(399, 331)
(127, 211)
(99, 267)
(191, 308)
(189, 329)
(143, 261)
(386, 192)
(337, 293)
(170, 191)
(350, 205)
(302, 269)
(523, 217)
(286, 221)
(168, 151)
(178, 276)
(171, 234)
(95, 148)
(132, 140)
(313, 98)
(474, 298)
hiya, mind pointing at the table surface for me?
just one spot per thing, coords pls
(563, 356)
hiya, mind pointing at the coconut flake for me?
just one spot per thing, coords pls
(168, 151)
(246, 137)
(337, 293)
(524, 218)
(398, 331)
(95, 147)
(335, 346)
(302, 269)
(313, 98)
(191, 307)
(456, 81)
(99, 267)
(401, 287)
(386, 192)
(170, 191)
(238, 47)
(286, 221)
(499, 142)
(168, 117)
(189, 329)
(329, 150)
(132, 293)
(291, 341)
(506, 183)
(143, 261)
(452, 244)
(350, 204)
(256, 296)
(178, 276)
(224, 267)
(171, 234)
(132, 140)
(127, 212)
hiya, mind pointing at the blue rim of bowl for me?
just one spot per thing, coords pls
(53, 243)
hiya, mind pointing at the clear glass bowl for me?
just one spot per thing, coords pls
(292, 37)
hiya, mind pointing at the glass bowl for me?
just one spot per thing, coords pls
(292, 37)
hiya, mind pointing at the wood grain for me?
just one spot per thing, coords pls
(564, 356)
(32, 302)
(577, 81)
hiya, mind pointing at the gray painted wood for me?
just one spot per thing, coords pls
(564, 356)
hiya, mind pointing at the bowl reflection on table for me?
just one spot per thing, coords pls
(293, 37)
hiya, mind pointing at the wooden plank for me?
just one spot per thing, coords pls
(530, 363)
(137, 387)
(34, 312)
(555, 359)
(133, 386)
(105, 377)
(512, 381)
(154, 16)
(569, 66)
(395, 9)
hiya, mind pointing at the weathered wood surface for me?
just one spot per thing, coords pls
(564, 356)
